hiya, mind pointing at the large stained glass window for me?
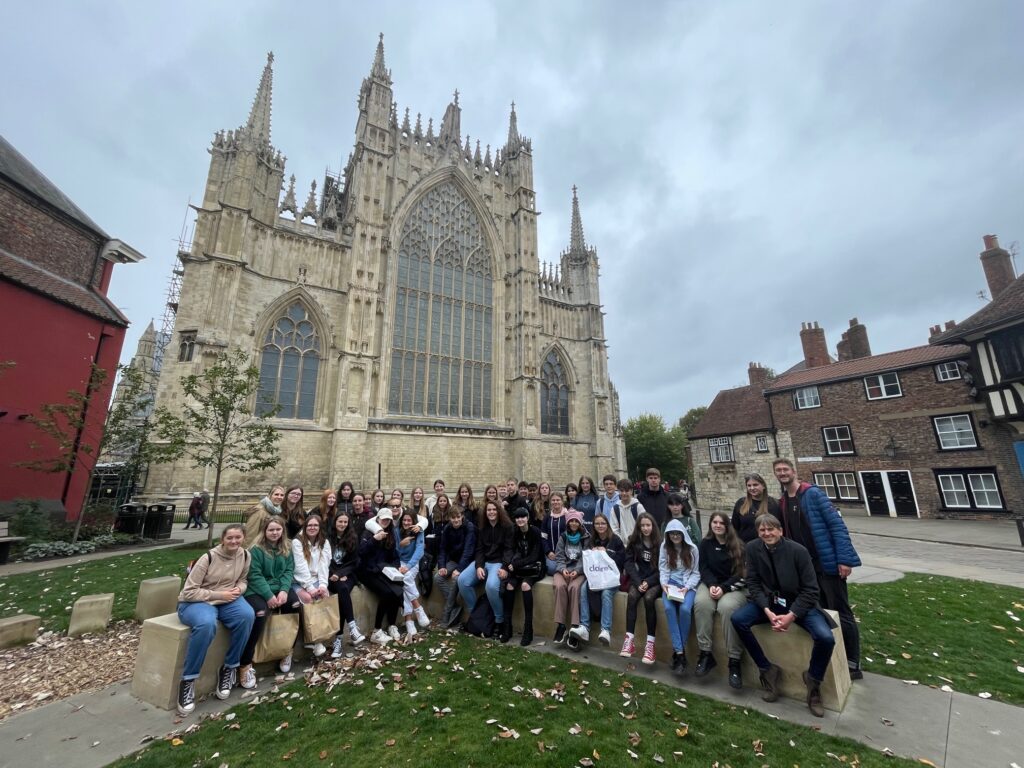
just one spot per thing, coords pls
(441, 355)
(289, 366)
(554, 396)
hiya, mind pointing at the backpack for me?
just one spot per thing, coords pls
(193, 561)
(481, 620)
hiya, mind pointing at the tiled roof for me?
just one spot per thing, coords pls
(18, 169)
(80, 297)
(734, 411)
(1006, 307)
(863, 366)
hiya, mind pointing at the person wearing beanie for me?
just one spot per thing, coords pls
(525, 570)
(569, 579)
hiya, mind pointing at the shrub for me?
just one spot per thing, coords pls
(43, 549)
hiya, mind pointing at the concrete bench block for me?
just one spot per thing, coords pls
(18, 630)
(161, 659)
(157, 597)
(91, 613)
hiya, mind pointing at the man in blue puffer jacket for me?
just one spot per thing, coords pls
(810, 519)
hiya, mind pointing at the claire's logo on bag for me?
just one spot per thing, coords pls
(597, 568)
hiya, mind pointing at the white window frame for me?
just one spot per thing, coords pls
(979, 478)
(963, 489)
(806, 397)
(836, 438)
(762, 443)
(948, 371)
(883, 384)
(852, 484)
(721, 450)
(827, 483)
(955, 432)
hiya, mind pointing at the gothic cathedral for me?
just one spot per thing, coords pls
(402, 324)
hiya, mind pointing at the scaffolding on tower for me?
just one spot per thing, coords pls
(173, 298)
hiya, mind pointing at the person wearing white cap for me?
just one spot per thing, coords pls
(378, 550)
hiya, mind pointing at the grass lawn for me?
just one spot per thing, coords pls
(508, 707)
(50, 594)
(942, 631)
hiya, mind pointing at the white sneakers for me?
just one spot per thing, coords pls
(318, 649)
(285, 664)
(380, 637)
(581, 633)
(354, 635)
(247, 677)
(421, 617)
(395, 634)
(336, 651)
(410, 628)
(605, 637)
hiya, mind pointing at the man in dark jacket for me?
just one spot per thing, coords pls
(783, 590)
(809, 518)
(457, 553)
(654, 498)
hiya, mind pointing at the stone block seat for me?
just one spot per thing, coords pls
(164, 640)
(790, 650)
(18, 630)
(91, 613)
(157, 597)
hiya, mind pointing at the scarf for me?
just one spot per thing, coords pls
(269, 506)
(573, 538)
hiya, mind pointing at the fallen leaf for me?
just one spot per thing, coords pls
(389, 743)
(536, 731)
(926, 761)
(323, 754)
(632, 754)
(634, 738)
(886, 721)
(174, 743)
(586, 762)
(576, 730)
(682, 731)
(906, 656)
(658, 758)
(984, 695)
(540, 747)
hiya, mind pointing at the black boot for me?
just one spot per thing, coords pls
(508, 600)
(705, 663)
(527, 637)
(559, 637)
(679, 663)
(735, 674)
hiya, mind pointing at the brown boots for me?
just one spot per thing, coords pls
(771, 679)
(814, 696)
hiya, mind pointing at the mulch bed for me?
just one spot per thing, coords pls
(55, 666)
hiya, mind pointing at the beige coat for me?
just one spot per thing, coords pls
(216, 572)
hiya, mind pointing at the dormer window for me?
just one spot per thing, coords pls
(882, 386)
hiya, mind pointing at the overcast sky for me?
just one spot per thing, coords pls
(742, 167)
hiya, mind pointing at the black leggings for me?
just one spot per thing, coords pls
(389, 597)
(650, 598)
(343, 589)
(262, 610)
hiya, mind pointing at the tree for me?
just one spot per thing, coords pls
(686, 424)
(649, 444)
(124, 432)
(216, 427)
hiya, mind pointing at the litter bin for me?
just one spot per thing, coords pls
(130, 519)
(159, 521)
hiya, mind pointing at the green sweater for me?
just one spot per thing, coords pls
(270, 573)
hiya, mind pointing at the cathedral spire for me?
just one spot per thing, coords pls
(512, 145)
(577, 244)
(451, 123)
(379, 71)
(259, 116)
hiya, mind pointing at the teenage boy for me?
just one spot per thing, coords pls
(809, 518)
(609, 498)
(517, 496)
(654, 497)
(624, 514)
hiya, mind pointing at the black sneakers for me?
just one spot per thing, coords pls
(679, 663)
(735, 674)
(225, 682)
(705, 663)
(186, 697)
(559, 634)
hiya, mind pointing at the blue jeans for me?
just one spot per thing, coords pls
(678, 614)
(814, 622)
(492, 586)
(237, 616)
(551, 565)
(607, 601)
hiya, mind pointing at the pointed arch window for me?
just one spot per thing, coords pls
(442, 356)
(289, 365)
(554, 396)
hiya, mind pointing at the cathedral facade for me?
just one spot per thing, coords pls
(402, 323)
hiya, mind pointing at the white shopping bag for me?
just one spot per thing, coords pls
(600, 570)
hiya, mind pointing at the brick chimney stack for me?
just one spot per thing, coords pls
(757, 374)
(858, 338)
(812, 337)
(998, 266)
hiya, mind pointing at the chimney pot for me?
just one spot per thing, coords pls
(950, 325)
(812, 338)
(853, 321)
(991, 241)
(998, 266)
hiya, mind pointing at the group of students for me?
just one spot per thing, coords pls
(508, 541)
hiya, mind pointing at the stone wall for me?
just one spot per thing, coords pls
(719, 485)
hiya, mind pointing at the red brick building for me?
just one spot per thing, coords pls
(895, 434)
(55, 321)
